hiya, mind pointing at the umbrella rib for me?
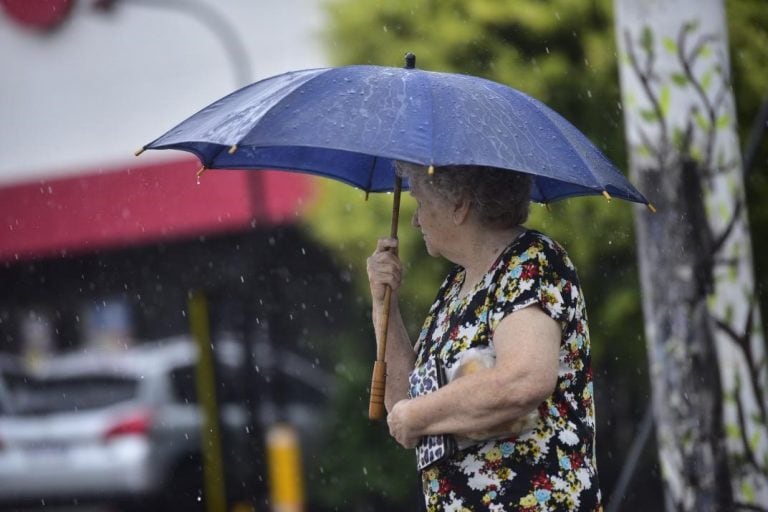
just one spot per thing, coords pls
(544, 113)
(432, 127)
(572, 147)
(294, 87)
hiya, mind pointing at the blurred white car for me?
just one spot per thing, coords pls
(121, 428)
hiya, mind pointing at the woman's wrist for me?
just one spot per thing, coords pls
(412, 417)
(378, 305)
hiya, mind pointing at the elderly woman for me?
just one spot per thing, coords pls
(524, 420)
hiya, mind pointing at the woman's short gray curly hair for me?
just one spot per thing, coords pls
(500, 197)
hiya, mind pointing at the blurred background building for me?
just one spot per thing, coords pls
(86, 83)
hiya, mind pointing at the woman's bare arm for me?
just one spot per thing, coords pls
(527, 345)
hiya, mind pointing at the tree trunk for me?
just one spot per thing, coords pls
(705, 346)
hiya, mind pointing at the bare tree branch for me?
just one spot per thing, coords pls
(720, 240)
(645, 78)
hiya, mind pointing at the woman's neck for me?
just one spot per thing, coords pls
(480, 250)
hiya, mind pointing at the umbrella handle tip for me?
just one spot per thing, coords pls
(139, 151)
(376, 409)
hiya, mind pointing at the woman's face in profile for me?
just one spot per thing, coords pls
(432, 217)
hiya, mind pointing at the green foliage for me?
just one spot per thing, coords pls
(563, 53)
(360, 464)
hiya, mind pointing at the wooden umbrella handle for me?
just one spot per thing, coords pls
(376, 409)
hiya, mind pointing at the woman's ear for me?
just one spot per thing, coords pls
(461, 211)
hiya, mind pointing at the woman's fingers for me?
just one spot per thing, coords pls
(384, 268)
(381, 275)
(384, 264)
(397, 420)
(386, 244)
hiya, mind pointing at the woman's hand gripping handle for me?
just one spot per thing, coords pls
(384, 277)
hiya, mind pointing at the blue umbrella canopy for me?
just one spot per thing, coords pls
(352, 123)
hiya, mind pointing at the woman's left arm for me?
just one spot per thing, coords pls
(527, 344)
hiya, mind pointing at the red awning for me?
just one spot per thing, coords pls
(126, 207)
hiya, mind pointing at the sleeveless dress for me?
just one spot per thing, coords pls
(550, 464)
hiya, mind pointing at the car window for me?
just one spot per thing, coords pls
(29, 395)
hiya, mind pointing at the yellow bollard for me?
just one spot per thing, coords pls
(286, 483)
(213, 466)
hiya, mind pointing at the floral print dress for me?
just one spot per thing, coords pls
(550, 465)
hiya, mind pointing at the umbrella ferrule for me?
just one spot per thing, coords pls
(410, 61)
(232, 149)
(607, 196)
(139, 151)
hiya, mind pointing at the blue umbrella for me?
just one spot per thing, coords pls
(352, 123)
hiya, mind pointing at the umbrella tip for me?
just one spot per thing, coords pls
(431, 170)
(232, 149)
(139, 151)
(651, 207)
(410, 60)
(607, 195)
(200, 172)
